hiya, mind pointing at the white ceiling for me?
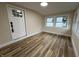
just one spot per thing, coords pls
(52, 8)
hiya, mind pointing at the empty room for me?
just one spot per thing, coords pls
(39, 29)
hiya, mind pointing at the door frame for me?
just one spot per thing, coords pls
(12, 6)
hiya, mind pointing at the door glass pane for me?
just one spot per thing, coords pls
(16, 13)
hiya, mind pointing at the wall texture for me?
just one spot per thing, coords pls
(61, 31)
(33, 24)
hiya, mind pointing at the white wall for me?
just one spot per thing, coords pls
(75, 36)
(33, 24)
(61, 31)
(4, 25)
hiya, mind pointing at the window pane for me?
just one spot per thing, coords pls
(64, 24)
(49, 24)
(77, 27)
(61, 21)
(49, 19)
(59, 24)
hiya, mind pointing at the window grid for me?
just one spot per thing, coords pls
(49, 22)
(61, 21)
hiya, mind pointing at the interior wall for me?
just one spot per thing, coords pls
(61, 31)
(75, 36)
(4, 25)
(33, 24)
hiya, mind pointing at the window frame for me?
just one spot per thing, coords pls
(60, 22)
(50, 22)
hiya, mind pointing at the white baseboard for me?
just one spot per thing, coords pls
(75, 50)
(34, 34)
(57, 33)
(13, 41)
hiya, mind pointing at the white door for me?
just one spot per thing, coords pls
(17, 23)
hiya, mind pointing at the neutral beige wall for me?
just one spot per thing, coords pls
(4, 25)
(33, 24)
(75, 38)
(75, 42)
(61, 31)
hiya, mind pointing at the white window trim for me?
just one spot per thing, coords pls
(54, 22)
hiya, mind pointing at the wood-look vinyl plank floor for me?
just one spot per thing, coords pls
(40, 45)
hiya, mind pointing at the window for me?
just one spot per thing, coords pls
(17, 13)
(49, 22)
(77, 29)
(61, 21)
